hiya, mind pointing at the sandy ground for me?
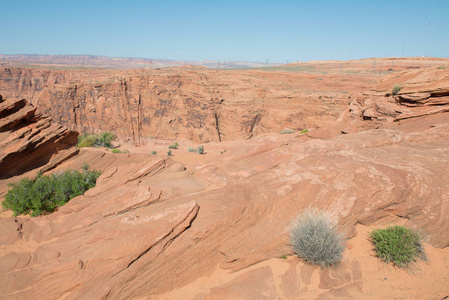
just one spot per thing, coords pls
(375, 281)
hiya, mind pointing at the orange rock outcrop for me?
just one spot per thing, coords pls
(215, 226)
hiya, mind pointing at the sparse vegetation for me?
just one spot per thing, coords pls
(103, 139)
(314, 238)
(174, 146)
(304, 131)
(169, 153)
(200, 149)
(441, 68)
(397, 244)
(85, 167)
(224, 151)
(116, 150)
(396, 88)
(45, 193)
(153, 152)
(287, 131)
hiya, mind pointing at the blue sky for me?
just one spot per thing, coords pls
(226, 30)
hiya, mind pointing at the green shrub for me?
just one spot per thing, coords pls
(174, 146)
(85, 167)
(153, 152)
(287, 131)
(103, 139)
(200, 150)
(315, 239)
(191, 149)
(441, 68)
(45, 193)
(304, 131)
(169, 153)
(397, 244)
(396, 88)
(116, 150)
(86, 140)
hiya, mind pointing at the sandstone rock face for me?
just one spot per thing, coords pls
(196, 104)
(215, 226)
(155, 228)
(423, 92)
(30, 140)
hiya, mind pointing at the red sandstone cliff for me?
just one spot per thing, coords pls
(196, 104)
(215, 226)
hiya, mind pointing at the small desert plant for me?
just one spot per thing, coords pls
(287, 131)
(85, 167)
(45, 193)
(191, 149)
(441, 68)
(315, 238)
(174, 146)
(396, 88)
(153, 152)
(116, 150)
(86, 140)
(397, 244)
(304, 131)
(103, 139)
(169, 153)
(200, 150)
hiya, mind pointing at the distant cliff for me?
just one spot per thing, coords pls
(197, 104)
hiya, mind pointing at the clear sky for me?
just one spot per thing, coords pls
(227, 30)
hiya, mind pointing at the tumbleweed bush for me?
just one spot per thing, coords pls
(315, 238)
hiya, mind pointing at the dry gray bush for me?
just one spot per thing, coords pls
(315, 238)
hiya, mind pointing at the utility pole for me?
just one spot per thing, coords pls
(427, 39)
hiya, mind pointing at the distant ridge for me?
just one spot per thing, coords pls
(97, 61)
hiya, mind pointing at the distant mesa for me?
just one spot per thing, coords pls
(96, 61)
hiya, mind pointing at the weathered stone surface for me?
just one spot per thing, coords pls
(29, 140)
(257, 284)
(134, 236)
(197, 104)
(423, 92)
(216, 225)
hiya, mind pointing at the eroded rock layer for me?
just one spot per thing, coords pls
(29, 140)
(215, 226)
(196, 104)
(153, 226)
(420, 93)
